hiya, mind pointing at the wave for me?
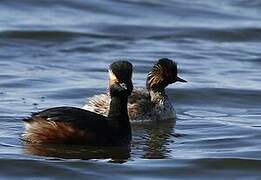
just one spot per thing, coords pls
(204, 168)
(38, 35)
(113, 31)
(217, 34)
(222, 97)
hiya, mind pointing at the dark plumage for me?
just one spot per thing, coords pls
(70, 125)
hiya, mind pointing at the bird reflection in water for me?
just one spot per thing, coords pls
(153, 137)
(114, 154)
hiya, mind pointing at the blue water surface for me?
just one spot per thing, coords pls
(55, 53)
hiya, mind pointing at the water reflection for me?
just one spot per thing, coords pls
(153, 138)
(115, 154)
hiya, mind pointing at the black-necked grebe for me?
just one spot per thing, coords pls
(145, 105)
(70, 125)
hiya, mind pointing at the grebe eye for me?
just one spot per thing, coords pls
(118, 89)
(123, 85)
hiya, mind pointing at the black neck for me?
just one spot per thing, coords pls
(119, 119)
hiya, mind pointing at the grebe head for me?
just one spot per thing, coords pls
(120, 75)
(163, 73)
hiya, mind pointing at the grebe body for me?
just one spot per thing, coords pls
(71, 125)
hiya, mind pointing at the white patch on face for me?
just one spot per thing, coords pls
(112, 76)
(112, 79)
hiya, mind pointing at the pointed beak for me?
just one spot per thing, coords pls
(181, 80)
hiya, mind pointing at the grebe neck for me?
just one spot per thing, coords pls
(118, 117)
(157, 95)
(160, 98)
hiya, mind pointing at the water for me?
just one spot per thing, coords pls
(55, 53)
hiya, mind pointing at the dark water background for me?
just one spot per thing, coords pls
(56, 53)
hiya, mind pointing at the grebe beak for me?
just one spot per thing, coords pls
(181, 80)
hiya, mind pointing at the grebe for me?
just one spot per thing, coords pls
(71, 125)
(146, 105)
